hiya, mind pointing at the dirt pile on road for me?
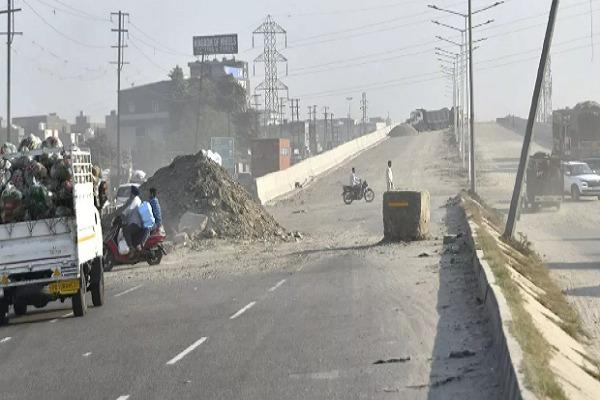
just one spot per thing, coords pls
(403, 130)
(195, 184)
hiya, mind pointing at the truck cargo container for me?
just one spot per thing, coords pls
(576, 132)
(270, 155)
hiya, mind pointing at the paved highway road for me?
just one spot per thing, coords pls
(350, 319)
(567, 239)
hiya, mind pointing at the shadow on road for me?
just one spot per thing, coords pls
(462, 361)
(342, 248)
(38, 316)
(573, 266)
(588, 291)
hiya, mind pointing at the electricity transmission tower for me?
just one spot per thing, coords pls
(271, 57)
(544, 113)
(364, 108)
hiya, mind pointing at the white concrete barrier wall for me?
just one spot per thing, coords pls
(279, 183)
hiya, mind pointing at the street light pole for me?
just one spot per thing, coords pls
(472, 102)
(468, 31)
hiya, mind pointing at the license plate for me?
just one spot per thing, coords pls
(64, 287)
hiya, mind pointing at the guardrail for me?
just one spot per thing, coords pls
(274, 185)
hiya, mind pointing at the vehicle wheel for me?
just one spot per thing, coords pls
(155, 257)
(78, 301)
(3, 312)
(575, 194)
(108, 260)
(20, 308)
(97, 284)
(369, 195)
(348, 198)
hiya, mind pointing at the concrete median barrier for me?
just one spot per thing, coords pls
(277, 184)
(406, 215)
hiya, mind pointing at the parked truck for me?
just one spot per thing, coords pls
(576, 132)
(50, 259)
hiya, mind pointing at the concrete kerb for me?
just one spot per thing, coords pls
(281, 184)
(508, 352)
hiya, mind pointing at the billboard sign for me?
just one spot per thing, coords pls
(216, 44)
(237, 73)
(225, 146)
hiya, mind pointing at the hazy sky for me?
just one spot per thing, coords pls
(337, 48)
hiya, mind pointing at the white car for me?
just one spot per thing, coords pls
(124, 192)
(580, 180)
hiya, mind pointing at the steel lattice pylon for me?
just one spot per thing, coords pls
(271, 57)
(544, 113)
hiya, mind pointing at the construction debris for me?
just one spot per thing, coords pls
(195, 184)
(403, 130)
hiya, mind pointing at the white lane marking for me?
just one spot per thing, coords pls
(187, 351)
(125, 397)
(89, 353)
(6, 339)
(243, 310)
(128, 291)
(274, 288)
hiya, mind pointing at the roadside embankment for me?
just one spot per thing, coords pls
(539, 337)
(272, 186)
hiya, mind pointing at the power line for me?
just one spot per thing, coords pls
(147, 57)
(69, 11)
(158, 46)
(335, 65)
(76, 41)
(435, 75)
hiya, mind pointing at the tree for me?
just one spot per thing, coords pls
(102, 151)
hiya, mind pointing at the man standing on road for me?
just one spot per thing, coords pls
(389, 176)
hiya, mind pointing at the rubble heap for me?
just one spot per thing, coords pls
(196, 184)
(403, 130)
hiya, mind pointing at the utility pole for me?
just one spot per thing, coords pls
(332, 132)
(535, 101)
(349, 100)
(363, 107)
(325, 113)
(120, 30)
(10, 33)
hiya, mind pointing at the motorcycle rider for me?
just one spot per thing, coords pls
(133, 230)
(355, 183)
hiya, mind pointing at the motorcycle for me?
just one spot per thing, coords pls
(351, 193)
(152, 251)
